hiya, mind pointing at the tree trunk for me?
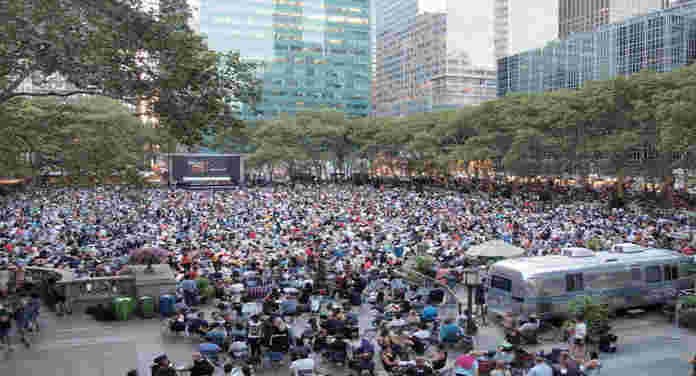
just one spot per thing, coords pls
(667, 190)
(620, 178)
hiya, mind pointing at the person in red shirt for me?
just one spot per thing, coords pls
(186, 262)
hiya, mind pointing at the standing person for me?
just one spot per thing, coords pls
(163, 367)
(540, 368)
(4, 280)
(5, 326)
(254, 336)
(190, 290)
(592, 366)
(58, 297)
(693, 366)
(21, 317)
(201, 366)
(578, 348)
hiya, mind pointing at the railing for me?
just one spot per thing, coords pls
(78, 290)
(427, 281)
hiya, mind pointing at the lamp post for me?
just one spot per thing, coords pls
(472, 280)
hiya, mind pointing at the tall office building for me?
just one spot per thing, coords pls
(523, 25)
(312, 54)
(662, 41)
(433, 55)
(576, 16)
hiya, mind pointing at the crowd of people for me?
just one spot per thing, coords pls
(291, 270)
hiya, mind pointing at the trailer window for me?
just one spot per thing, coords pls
(671, 272)
(574, 282)
(498, 282)
(652, 274)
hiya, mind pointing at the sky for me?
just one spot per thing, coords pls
(533, 23)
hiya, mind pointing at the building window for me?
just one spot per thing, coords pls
(653, 274)
(574, 282)
(671, 272)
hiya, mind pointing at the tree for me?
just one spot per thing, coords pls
(116, 49)
(93, 137)
(280, 140)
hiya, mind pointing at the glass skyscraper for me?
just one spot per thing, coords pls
(312, 54)
(661, 41)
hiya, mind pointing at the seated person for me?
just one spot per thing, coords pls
(529, 328)
(413, 318)
(365, 347)
(239, 349)
(338, 349)
(199, 325)
(280, 342)
(439, 360)
(429, 313)
(320, 341)
(217, 334)
(466, 365)
(421, 368)
(178, 323)
(450, 332)
(334, 326)
(389, 361)
(238, 333)
(397, 321)
(422, 333)
(364, 365)
(288, 306)
(504, 353)
(302, 366)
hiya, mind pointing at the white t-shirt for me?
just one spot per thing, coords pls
(580, 330)
(422, 334)
(302, 365)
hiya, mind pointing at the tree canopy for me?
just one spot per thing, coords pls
(91, 137)
(121, 50)
(602, 124)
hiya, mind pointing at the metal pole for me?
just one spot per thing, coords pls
(470, 318)
(677, 307)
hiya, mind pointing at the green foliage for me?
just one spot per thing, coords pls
(594, 313)
(609, 118)
(688, 302)
(424, 264)
(117, 49)
(91, 137)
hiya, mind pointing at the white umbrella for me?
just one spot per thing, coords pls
(495, 248)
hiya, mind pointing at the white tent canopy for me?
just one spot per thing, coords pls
(495, 248)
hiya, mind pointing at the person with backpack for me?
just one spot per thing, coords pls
(201, 366)
(254, 337)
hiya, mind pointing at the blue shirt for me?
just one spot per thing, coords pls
(459, 371)
(449, 332)
(542, 369)
(429, 313)
(189, 285)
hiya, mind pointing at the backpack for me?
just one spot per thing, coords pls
(254, 330)
(207, 368)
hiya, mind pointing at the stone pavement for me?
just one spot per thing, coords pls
(79, 346)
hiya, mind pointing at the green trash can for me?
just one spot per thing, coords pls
(123, 307)
(202, 283)
(147, 307)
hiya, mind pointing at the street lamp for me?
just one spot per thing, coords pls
(472, 280)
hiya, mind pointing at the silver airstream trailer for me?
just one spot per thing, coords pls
(626, 276)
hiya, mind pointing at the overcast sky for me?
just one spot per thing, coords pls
(533, 23)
